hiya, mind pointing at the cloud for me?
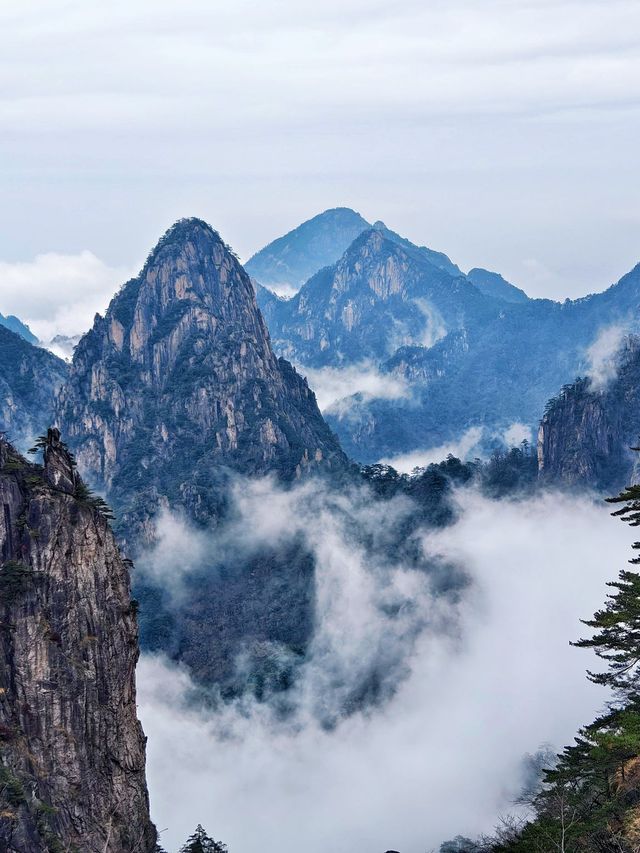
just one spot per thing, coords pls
(515, 434)
(444, 754)
(406, 462)
(434, 329)
(391, 104)
(58, 294)
(333, 386)
(601, 356)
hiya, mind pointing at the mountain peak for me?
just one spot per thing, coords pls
(178, 382)
(289, 261)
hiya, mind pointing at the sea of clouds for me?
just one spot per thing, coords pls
(480, 680)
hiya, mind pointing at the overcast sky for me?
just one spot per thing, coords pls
(503, 132)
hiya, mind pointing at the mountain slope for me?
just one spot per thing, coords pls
(293, 258)
(29, 379)
(72, 774)
(493, 284)
(177, 384)
(471, 351)
(14, 324)
(379, 296)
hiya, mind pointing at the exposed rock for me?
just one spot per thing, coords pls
(72, 752)
(178, 383)
(587, 432)
(383, 294)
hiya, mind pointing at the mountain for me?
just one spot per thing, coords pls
(14, 324)
(381, 295)
(177, 385)
(72, 774)
(29, 380)
(468, 352)
(172, 396)
(588, 429)
(493, 284)
(289, 261)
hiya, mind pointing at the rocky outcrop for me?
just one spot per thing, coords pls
(587, 431)
(178, 383)
(29, 380)
(72, 752)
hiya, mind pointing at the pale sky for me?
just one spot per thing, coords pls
(502, 132)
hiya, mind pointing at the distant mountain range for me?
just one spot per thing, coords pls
(29, 379)
(471, 351)
(286, 263)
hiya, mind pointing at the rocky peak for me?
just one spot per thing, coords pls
(59, 466)
(178, 381)
(382, 294)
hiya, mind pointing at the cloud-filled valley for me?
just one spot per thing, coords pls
(489, 677)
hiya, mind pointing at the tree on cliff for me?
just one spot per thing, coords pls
(200, 842)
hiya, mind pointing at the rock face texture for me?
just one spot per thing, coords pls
(72, 752)
(587, 432)
(29, 380)
(178, 383)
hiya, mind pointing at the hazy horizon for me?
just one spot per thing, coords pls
(502, 134)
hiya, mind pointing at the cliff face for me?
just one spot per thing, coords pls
(29, 380)
(178, 382)
(587, 431)
(72, 752)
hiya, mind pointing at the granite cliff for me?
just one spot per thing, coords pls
(587, 431)
(178, 385)
(72, 752)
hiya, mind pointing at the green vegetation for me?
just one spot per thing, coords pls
(14, 579)
(11, 788)
(200, 842)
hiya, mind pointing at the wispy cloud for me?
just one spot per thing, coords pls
(462, 448)
(333, 386)
(58, 294)
(601, 356)
(473, 701)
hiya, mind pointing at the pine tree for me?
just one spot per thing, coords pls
(617, 625)
(200, 842)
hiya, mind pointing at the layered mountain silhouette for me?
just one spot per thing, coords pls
(15, 324)
(474, 351)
